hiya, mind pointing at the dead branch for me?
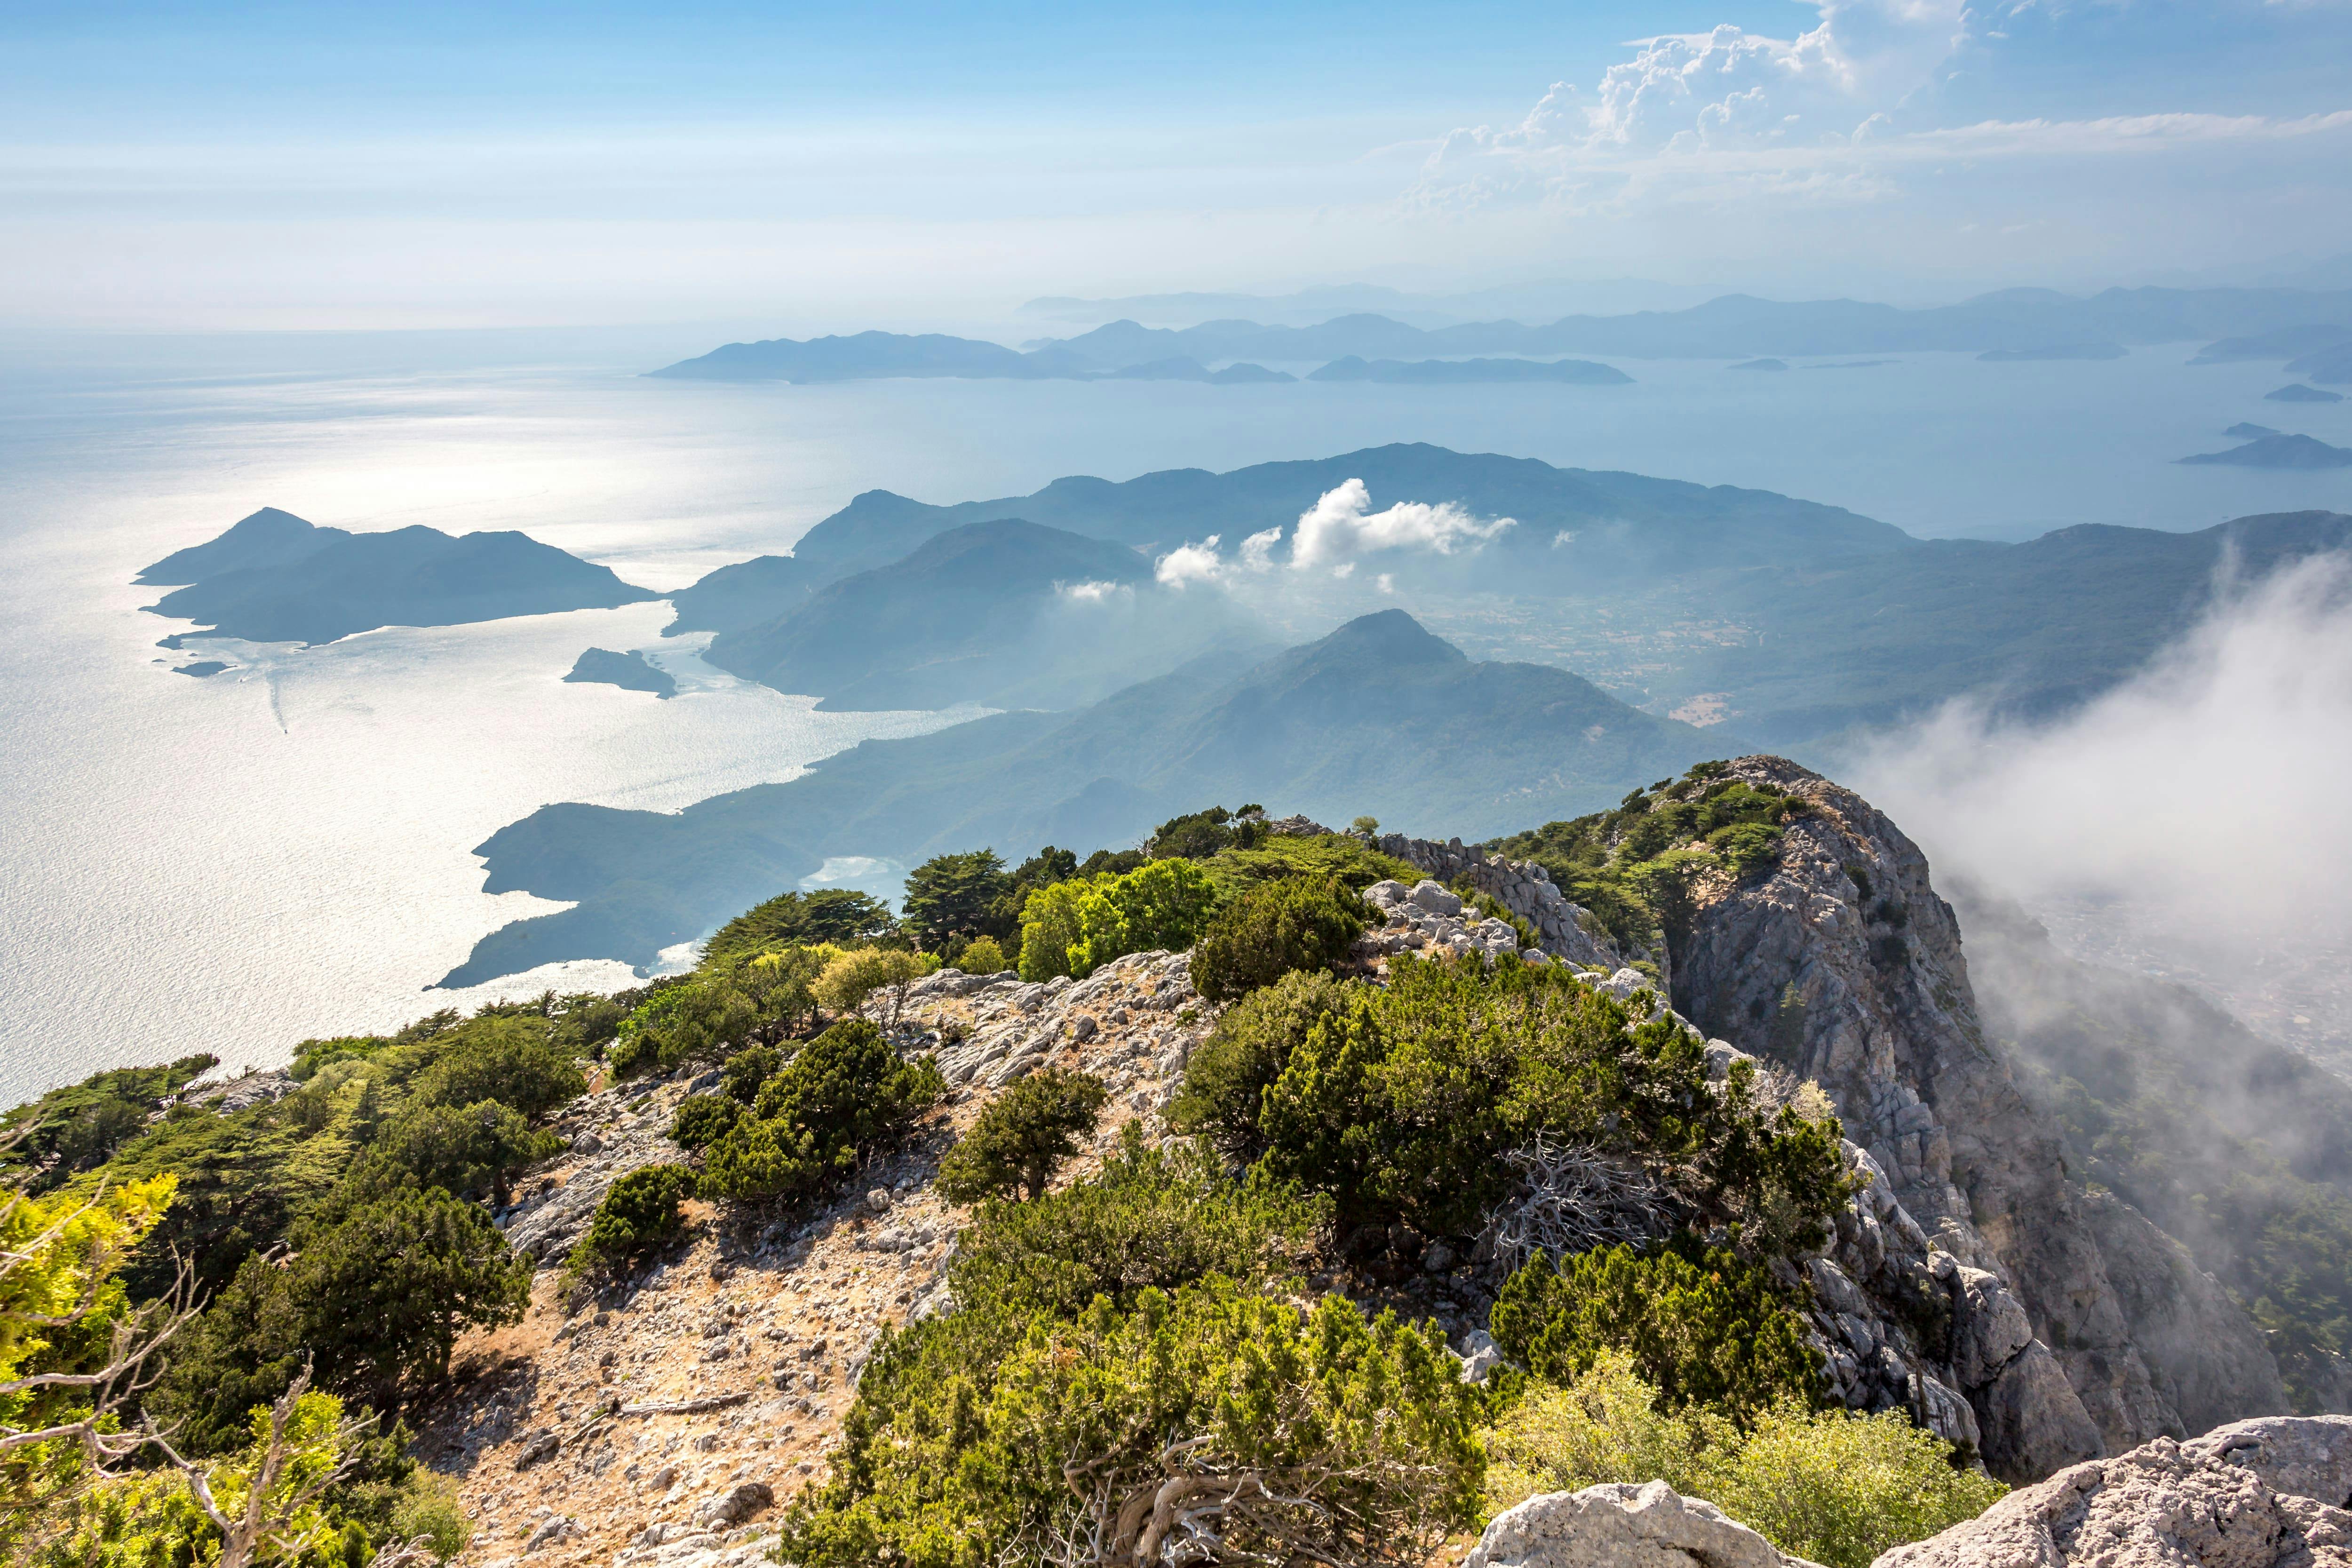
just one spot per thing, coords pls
(1571, 1199)
(264, 1519)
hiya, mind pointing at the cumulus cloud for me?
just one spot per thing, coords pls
(1188, 563)
(1833, 114)
(1094, 593)
(2209, 786)
(1341, 526)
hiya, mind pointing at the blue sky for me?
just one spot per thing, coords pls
(427, 164)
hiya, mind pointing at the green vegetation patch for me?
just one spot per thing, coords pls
(1828, 1486)
(991, 1434)
(1402, 1100)
(1633, 867)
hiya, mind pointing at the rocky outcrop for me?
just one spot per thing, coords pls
(1841, 965)
(1618, 1525)
(1521, 886)
(2270, 1493)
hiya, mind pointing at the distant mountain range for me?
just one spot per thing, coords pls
(1799, 622)
(273, 577)
(1619, 527)
(1005, 613)
(2014, 324)
(1380, 717)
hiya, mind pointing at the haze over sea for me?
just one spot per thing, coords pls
(304, 868)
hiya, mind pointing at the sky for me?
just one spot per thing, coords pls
(208, 167)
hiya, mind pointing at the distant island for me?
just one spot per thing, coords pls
(273, 577)
(1760, 364)
(2011, 323)
(631, 671)
(2301, 393)
(2280, 344)
(2333, 364)
(2248, 431)
(1851, 364)
(2055, 352)
(1463, 372)
(2279, 452)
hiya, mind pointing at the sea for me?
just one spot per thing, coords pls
(285, 850)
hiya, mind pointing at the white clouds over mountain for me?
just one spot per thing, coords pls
(1835, 114)
(1332, 534)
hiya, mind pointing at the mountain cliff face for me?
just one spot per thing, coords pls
(1842, 964)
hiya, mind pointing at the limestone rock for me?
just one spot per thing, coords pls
(1841, 965)
(1620, 1525)
(735, 1504)
(2268, 1493)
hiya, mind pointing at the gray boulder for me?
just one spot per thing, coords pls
(2267, 1493)
(1620, 1525)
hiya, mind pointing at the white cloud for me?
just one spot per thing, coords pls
(1188, 563)
(1094, 593)
(1832, 116)
(1339, 526)
(2209, 786)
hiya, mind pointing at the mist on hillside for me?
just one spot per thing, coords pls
(2187, 824)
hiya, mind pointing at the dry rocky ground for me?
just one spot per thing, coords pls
(663, 1420)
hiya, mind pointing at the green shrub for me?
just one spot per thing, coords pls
(1401, 1100)
(506, 1059)
(1075, 927)
(1630, 868)
(1607, 1423)
(699, 1020)
(383, 1295)
(1022, 1135)
(747, 1069)
(1299, 923)
(1152, 1219)
(1225, 1082)
(476, 1148)
(1703, 1326)
(430, 1507)
(701, 1119)
(1840, 1488)
(982, 956)
(852, 978)
(828, 915)
(836, 1096)
(1833, 1486)
(989, 1436)
(639, 1210)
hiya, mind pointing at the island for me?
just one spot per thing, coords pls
(274, 577)
(2279, 452)
(630, 671)
(2245, 430)
(2301, 393)
(1760, 364)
